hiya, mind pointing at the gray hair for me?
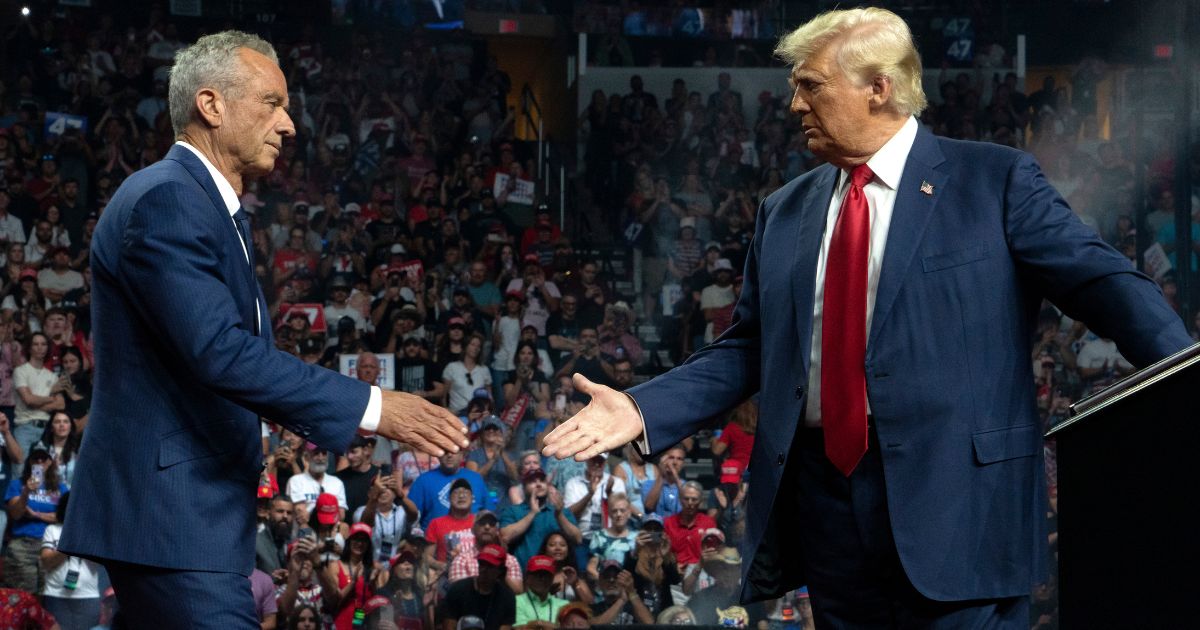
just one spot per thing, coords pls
(207, 64)
(694, 485)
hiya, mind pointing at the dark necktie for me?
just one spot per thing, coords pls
(844, 329)
(243, 224)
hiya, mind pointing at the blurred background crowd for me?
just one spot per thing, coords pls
(484, 198)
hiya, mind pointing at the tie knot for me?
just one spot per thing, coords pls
(861, 175)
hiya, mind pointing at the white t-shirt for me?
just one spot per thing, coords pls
(51, 279)
(714, 296)
(510, 335)
(577, 488)
(461, 389)
(86, 584)
(303, 488)
(39, 382)
(1095, 353)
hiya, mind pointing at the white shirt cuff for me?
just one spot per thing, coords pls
(370, 419)
(643, 444)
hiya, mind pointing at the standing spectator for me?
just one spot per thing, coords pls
(35, 391)
(338, 307)
(491, 460)
(587, 359)
(484, 292)
(58, 279)
(685, 255)
(354, 573)
(567, 582)
(270, 543)
(304, 587)
(717, 295)
(484, 596)
(359, 473)
(76, 385)
(450, 531)
(505, 336)
(431, 491)
(661, 495)
(537, 608)
(586, 496)
(316, 480)
(11, 355)
(71, 592)
(406, 588)
(615, 541)
(11, 454)
(465, 564)
(30, 501)
(541, 295)
(653, 566)
(61, 438)
(687, 527)
(416, 374)
(388, 524)
(736, 441)
(617, 601)
(615, 336)
(526, 526)
(562, 329)
(527, 391)
(464, 376)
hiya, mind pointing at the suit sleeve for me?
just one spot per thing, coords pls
(171, 272)
(714, 379)
(1081, 274)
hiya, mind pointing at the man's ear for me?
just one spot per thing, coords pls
(210, 107)
(881, 91)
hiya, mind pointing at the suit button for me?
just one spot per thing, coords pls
(799, 392)
(779, 460)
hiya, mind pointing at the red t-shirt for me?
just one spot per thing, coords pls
(740, 443)
(448, 532)
(685, 541)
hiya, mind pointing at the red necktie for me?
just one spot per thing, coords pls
(844, 329)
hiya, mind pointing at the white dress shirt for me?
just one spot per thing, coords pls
(370, 419)
(888, 165)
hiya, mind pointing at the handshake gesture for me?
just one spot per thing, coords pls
(421, 424)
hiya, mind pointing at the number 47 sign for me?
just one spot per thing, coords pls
(58, 122)
(959, 39)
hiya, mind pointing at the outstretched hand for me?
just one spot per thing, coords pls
(426, 427)
(609, 421)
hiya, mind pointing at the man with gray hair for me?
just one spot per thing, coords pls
(186, 366)
(887, 307)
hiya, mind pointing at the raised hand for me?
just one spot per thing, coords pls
(421, 424)
(609, 421)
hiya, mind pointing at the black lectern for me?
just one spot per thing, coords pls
(1129, 535)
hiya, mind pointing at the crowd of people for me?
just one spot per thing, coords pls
(396, 243)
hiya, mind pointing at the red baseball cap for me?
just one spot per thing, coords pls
(327, 509)
(360, 528)
(493, 555)
(540, 563)
(731, 471)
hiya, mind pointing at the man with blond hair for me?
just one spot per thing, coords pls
(885, 319)
(186, 365)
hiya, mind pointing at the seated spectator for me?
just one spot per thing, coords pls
(431, 491)
(528, 461)
(525, 526)
(491, 460)
(416, 374)
(30, 501)
(567, 582)
(617, 602)
(358, 473)
(529, 334)
(76, 388)
(71, 592)
(353, 572)
(615, 541)
(35, 390)
(676, 616)
(316, 480)
(61, 439)
(486, 530)
(587, 360)
(686, 255)
(562, 329)
(447, 533)
(484, 596)
(661, 496)
(637, 473)
(695, 578)
(527, 391)
(585, 496)
(541, 295)
(685, 528)
(653, 566)
(406, 588)
(537, 608)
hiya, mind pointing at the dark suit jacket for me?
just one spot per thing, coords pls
(171, 457)
(948, 367)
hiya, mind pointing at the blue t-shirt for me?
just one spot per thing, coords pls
(431, 492)
(40, 501)
(668, 499)
(528, 544)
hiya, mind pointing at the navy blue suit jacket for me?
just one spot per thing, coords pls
(948, 365)
(172, 454)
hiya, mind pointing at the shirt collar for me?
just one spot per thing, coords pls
(888, 162)
(232, 203)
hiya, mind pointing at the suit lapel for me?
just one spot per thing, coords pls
(909, 217)
(810, 228)
(245, 287)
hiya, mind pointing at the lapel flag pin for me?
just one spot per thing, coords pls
(926, 188)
